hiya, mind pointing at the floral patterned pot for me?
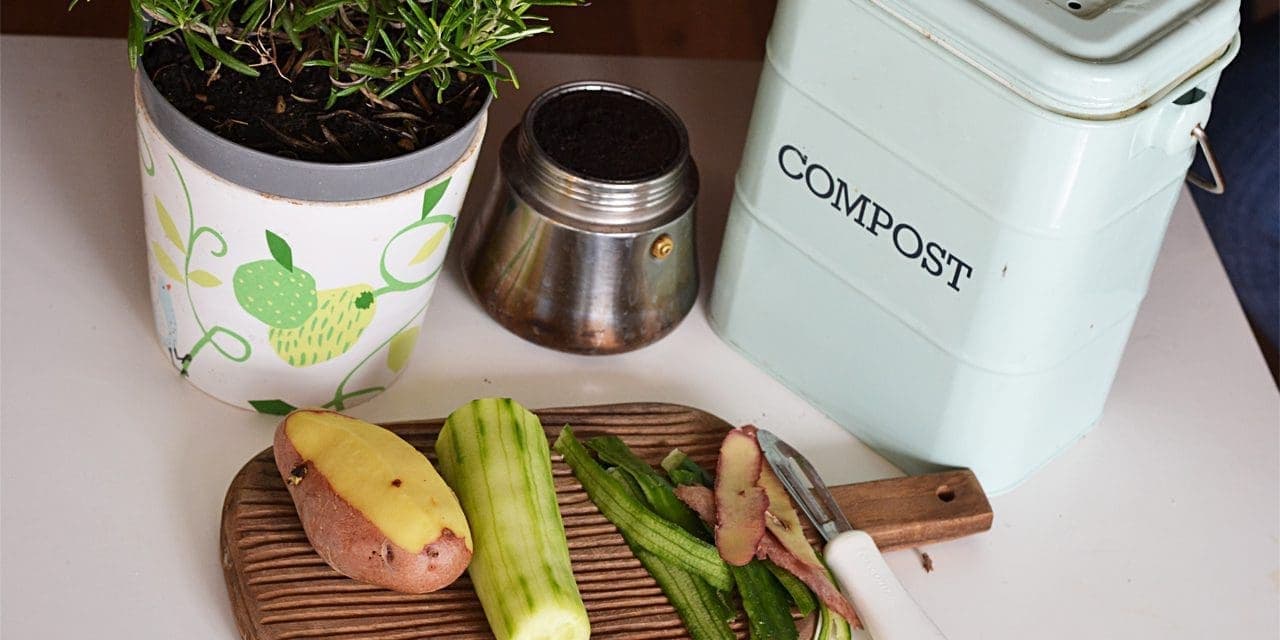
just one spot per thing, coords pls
(278, 283)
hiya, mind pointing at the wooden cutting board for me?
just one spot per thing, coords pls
(280, 589)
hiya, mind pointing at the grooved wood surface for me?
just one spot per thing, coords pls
(280, 589)
(704, 29)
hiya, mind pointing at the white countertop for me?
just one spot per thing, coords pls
(1164, 522)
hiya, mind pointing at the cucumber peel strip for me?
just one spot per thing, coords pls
(766, 603)
(765, 597)
(634, 519)
(652, 487)
(796, 590)
(705, 613)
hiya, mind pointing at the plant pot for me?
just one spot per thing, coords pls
(278, 283)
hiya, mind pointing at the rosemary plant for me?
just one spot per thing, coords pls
(375, 47)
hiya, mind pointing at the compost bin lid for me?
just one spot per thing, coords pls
(1087, 58)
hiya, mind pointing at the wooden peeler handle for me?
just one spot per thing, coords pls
(907, 512)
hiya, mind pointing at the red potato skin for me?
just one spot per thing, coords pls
(703, 503)
(815, 578)
(352, 545)
(700, 499)
(739, 522)
(788, 532)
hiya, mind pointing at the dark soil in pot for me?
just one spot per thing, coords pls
(288, 118)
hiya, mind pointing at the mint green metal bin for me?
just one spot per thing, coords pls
(947, 213)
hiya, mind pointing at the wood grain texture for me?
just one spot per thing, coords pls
(900, 513)
(674, 28)
(281, 590)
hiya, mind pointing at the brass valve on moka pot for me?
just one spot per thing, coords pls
(587, 244)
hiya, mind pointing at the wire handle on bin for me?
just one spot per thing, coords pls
(1215, 184)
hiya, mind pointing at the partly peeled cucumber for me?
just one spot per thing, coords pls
(494, 454)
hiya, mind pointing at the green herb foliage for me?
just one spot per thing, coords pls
(375, 47)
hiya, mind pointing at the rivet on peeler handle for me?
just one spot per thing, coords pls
(1217, 186)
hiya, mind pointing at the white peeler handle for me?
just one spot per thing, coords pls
(886, 609)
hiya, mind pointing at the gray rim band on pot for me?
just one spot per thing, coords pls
(298, 179)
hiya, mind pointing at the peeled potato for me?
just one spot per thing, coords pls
(372, 505)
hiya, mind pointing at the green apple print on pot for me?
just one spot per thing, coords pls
(343, 314)
(306, 326)
(275, 292)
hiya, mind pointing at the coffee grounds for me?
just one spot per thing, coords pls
(606, 135)
(287, 117)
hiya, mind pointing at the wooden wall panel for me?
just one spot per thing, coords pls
(681, 28)
(51, 17)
